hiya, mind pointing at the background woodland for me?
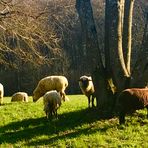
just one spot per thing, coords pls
(44, 37)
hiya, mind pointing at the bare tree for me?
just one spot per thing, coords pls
(30, 44)
(25, 31)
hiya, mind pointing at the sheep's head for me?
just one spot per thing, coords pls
(85, 81)
(36, 96)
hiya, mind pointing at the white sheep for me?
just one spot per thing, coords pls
(87, 88)
(20, 97)
(58, 83)
(52, 101)
(1, 94)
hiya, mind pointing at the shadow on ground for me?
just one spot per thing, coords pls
(67, 122)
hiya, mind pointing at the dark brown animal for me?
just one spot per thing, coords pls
(130, 100)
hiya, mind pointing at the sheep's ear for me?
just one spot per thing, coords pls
(89, 78)
(146, 85)
(59, 93)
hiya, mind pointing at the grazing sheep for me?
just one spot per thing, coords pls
(58, 83)
(1, 94)
(131, 100)
(52, 101)
(20, 97)
(87, 88)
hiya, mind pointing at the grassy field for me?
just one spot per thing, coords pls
(25, 125)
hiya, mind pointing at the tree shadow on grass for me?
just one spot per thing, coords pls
(69, 134)
(30, 128)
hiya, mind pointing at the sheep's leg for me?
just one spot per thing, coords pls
(24, 99)
(89, 102)
(55, 114)
(147, 111)
(47, 116)
(122, 118)
(50, 113)
(1, 100)
(93, 101)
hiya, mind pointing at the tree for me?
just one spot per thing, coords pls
(101, 79)
(106, 80)
(29, 44)
(140, 70)
(26, 35)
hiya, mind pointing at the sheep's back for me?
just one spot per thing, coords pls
(20, 96)
(133, 99)
(52, 100)
(141, 94)
(53, 83)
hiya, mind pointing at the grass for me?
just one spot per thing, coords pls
(25, 125)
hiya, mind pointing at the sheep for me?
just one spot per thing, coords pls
(130, 100)
(52, 101)
(20, 96)
(59, 83)
(1, 94)
(87, 88)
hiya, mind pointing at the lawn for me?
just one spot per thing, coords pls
(25, 125)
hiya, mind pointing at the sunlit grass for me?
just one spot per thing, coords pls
(25, 125)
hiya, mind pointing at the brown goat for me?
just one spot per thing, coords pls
(131, 100)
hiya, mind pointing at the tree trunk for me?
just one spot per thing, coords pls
(122, 3)
(108, 68)
(140, 70)
(103, 75)
(129, 43)
(107, 38)
(89, 35)
(119, 37)
(90, 40)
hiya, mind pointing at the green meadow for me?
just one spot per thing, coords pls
(25, 125)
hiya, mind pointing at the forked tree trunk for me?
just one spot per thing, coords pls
(129, 43)
(120, 37)
(102, 75)
(122, 27)
(99, 75)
